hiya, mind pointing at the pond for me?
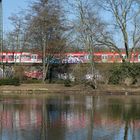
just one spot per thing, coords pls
(70, 118)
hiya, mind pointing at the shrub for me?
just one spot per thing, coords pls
(19, 72)
(32, 81)
(67, 83)
(115, 75)
(13, 81)
(119, 73)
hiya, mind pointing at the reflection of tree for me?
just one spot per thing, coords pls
(43, 126)
(126, 130)
(91, 112)
(1, 128)
(55, 127)
(129, 112)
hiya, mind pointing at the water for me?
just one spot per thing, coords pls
(70, 118)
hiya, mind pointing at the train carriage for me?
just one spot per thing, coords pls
(19, 57)
(10, 57)
(25, 57)
(100, 57)
(3, 57)
(36, 58)
(73, 57)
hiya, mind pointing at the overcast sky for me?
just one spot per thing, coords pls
(12, 6)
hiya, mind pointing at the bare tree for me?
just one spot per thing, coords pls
(123, 25)
(46, 30)
(17, 35)
(87, 27)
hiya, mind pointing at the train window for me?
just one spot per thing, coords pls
(124, 56)
(104, 56)
(89, 56)
(117, 56)
(135, 57)
(22, 56)
(81, 57)
(139, 56)
(3, 57)
(10, 56)
(16, 57)
(97, 57)
(25, 57)
(110, 56)
(34, 57)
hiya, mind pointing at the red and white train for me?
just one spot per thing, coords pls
(19, 57)
(99, 57)
(74, 57)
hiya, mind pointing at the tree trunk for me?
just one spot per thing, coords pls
(93, 70)
(44, 59)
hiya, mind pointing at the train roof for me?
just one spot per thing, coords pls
(96, 53)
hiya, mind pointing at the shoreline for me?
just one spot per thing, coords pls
(48, 89)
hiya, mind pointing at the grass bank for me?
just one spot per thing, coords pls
(41, 89)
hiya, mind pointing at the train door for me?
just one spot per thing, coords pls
(34, 58)
(4, 57)
(104, 57)
(139, 58)
(10, 58)
(25, 57)
(86, 58)
(124, 56)
(17, 57)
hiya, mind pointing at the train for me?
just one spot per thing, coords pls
(20, 57)
(100, 57)
(71, 58)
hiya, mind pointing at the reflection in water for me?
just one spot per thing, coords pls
(70, 118)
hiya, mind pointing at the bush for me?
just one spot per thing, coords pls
(115, 75)
(32, 81)
(19, 72)
(119, 73)
(67, 83)
(13, 81)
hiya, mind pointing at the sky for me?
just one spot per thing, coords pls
(12, 6)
